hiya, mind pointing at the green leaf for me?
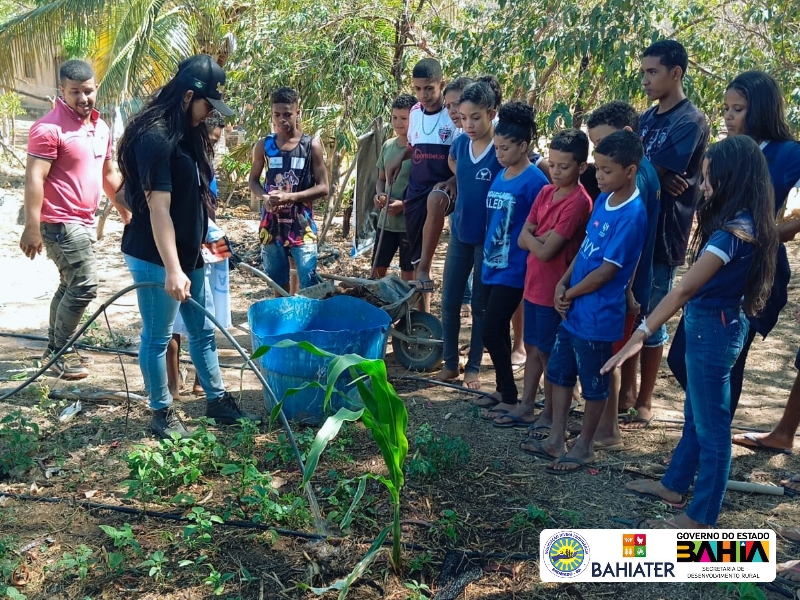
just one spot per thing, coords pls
(343, 585)
(348, 516)
(327, 432)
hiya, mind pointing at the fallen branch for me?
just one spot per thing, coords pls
(11, 152)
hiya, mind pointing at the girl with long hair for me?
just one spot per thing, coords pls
(754, 107)
(164, 157)
(735, 245)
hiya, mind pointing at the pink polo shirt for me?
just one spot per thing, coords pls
(77, 153)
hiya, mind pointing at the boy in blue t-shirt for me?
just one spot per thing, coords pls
(603, 121)
(591, 297)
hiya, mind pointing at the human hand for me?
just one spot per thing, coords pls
(395, 207)
(674, 184)
(178, 286)
(449, 187)
(632, 348)
(561, 302)
(219, 249)
(380, 200)
(31, 242)
(278, 198)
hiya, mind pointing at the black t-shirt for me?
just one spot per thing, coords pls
(675, 140)
(180, 176)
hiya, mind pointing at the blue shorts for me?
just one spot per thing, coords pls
(541, 326)
(663, 278)
(574, 357)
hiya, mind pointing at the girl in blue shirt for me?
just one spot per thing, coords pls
(473, 160)
(736, 244)
(754, 107)
(507, 206)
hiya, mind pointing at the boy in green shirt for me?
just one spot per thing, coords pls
(392, 224)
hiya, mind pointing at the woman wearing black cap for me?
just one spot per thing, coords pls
(164, 157)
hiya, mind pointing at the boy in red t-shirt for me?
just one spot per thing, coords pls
(552, 234)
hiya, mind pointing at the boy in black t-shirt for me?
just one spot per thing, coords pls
(674, 134)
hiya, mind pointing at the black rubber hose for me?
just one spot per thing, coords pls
(245, 525)
(270, 395)
(82, 346)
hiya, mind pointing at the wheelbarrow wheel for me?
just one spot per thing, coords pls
(419, 357)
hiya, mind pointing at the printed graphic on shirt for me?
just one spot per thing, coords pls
(499, 240)
(483, 175)
(289, 171)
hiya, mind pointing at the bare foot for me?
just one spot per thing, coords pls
(763, 441)
(466, 311)
(790, 533)
(681, 521)
(472, 381)
(655, 488)
(518, 358)
(447, 375)
(793, 483)
(790, 571)
(175, 393)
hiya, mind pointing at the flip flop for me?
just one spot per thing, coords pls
(517, 422)
(517, 367)
(538, 451)
(582, 464)
(532, 429)
(425, 286)
(630, 420)
(792, 566)
(757, 445)
(487, 411)
(648, 496)
(485, 402)
(609, 447)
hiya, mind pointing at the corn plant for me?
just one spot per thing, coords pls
(386, 417)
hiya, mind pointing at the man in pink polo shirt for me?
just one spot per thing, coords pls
(69, 165)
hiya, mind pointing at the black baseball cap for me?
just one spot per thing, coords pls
(204, 76)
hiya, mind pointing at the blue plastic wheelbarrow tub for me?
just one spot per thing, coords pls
(340, 325)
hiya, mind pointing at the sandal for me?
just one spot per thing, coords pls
(425, 286)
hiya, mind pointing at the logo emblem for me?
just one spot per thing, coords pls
(444, 133)
(567, 554)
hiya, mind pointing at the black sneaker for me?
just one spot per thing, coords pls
(165, 422)
(225, 411)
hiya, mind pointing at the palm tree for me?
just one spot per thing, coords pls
(136, 44)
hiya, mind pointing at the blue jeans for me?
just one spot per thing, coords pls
(714, 339)
(276, 263)
(573, 357)
(663, 278)
(158, 310)
(460, 260)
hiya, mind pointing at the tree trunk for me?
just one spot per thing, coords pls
(577, 112)
(400, 39)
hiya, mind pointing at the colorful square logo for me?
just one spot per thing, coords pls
(634, 545)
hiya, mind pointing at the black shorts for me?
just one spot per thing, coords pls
(415, 222)
(391, 242)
